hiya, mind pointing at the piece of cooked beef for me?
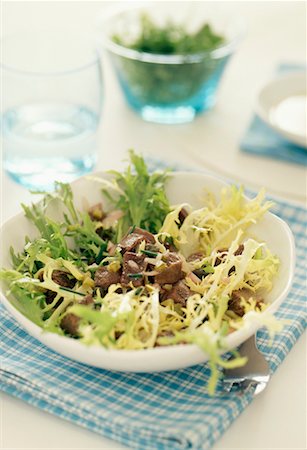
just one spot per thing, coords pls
(223, 252)
(183, 214)
(130, 241)
(173, 270)
(87, 300)
(149, 237)
(50, 296)
(171, 247)
(239, 250)
(133, 267)
(70, 322)
(221, 255)
(135, 237)
(63, 279)
(195, 257)
(234, 303)
(180, 292)
(104, 278)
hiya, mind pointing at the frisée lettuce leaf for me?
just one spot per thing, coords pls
(141, 197)
(223, 273)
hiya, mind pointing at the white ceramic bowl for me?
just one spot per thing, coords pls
(281, 103)
(182, 187)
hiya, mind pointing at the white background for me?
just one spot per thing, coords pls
(276, 33)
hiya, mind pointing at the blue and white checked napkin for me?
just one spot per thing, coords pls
(262, 140)
(169, 410)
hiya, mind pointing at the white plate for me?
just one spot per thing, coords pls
(282, 105)
(182, 187)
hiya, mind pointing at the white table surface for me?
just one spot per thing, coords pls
(276, 33)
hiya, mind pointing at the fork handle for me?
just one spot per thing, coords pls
(256, 363)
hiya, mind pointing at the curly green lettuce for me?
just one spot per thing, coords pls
(137, 318)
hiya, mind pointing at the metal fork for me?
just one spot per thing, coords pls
(254, 375)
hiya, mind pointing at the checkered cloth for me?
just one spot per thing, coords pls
(168, 410)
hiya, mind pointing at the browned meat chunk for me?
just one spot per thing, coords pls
(183, 214)
(87, 300)
(149, 237)
(234, 303)
(70, 322)
(63, 279)
(172, 273)
(133, 267)
(96, 212)
(179, 293)
(50, 296)
(104, 278)
(222, 253)
(239, 250)
(195, 257)
(132, 239)
(171, 247)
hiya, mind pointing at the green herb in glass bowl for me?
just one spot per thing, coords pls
(168, 74)
(171, 39)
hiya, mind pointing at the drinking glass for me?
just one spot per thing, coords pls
(51, 106)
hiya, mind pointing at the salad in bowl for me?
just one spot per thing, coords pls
(142, 272)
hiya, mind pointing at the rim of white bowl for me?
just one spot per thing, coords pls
(263, 112)
(231, 341)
